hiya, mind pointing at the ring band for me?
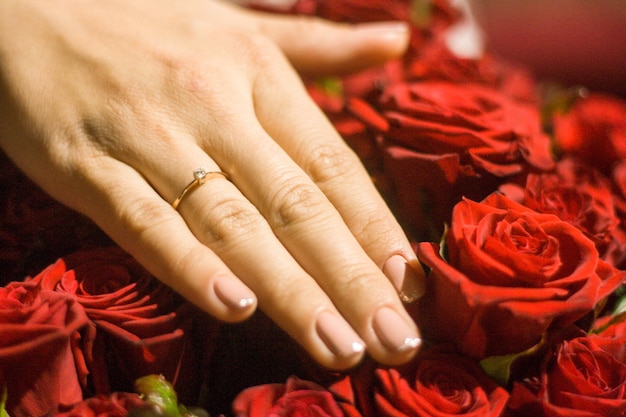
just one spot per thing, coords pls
(200, 176)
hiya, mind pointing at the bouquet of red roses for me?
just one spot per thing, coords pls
(513, 191)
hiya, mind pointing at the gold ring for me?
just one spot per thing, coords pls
(200, 176)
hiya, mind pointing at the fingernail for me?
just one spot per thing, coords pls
(338, 336)
(389, 30)
(233, 293)
(394, 332)
(410, 286)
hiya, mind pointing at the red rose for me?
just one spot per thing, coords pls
(434, 16)
(488, 130)
(619, 182)
(581, 379)
(594, 129)
(364, 10)
(619, 179)
(612, 330)
(117, 404)
(442, 384)
(435, 61)
(581, 196)
(449, 140)
(293, 399)
(38, 331)
(512, 274)
(141, 326)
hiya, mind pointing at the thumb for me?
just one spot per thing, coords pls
(318, 47)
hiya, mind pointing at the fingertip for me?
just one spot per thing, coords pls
(390, 39)
(398, 337)
(407, 277)
(342, 347)
(318, 47)
(237, 301)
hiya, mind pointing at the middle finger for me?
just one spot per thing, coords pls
(307, 233)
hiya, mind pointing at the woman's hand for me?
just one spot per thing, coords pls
(110, 106)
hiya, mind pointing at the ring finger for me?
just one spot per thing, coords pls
(227, 222)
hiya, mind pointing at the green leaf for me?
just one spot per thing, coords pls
(499, 367)
(3, 403)
(618, 315)
(620, 306)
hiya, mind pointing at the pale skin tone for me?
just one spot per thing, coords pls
(111, 105)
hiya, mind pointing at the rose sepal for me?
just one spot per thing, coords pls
(617, 316)
(499, 367)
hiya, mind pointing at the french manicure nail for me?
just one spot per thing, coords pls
(233, 293)
(338, 336)
(394, 332)
(409, 285)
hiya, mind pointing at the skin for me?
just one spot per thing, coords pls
(110, 105)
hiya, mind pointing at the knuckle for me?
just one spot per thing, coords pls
(142, 216)
(297, 202)
(375, 229)
(356, 280)
(229, 219)
(330, 162)
(259, 51)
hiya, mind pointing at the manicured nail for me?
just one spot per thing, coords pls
(389, 30)
(338, 336)
(410, 286)
(394, 332)
(233, 293)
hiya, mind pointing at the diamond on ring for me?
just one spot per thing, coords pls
(200, 176)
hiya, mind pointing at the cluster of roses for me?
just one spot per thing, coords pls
(92, 323)
(523, 188)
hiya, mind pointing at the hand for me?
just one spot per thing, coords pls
(111, 105)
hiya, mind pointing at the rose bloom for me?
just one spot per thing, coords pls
(488, 130)
(117, 404)
(38, 333)
(619, 185)
(612, 330)
(512, 274)
(440, 384)
(581, 196)
(294, 398)
(139, 326)
(594, 129)
(435, 61)
(446, 140)
(581, 379)
(364, 10)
